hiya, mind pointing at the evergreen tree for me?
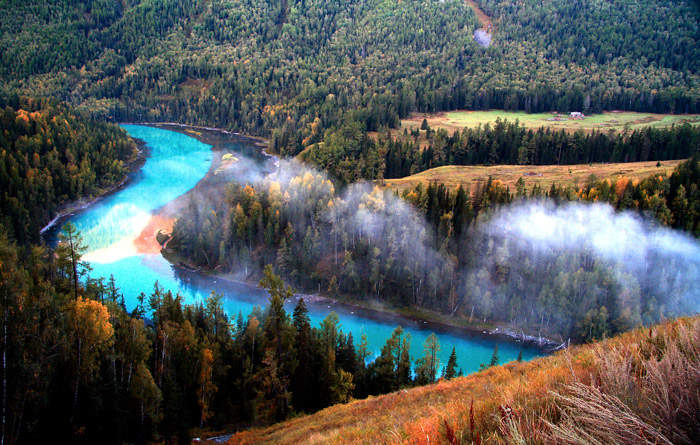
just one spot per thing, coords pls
(70, 250)
(451, 369)
(279, 358)
(494, 357)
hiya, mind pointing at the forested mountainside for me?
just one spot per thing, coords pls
(49, 156)
(296, 68)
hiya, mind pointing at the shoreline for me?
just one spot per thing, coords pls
(73, 207)
(184, 127)
(385, 313)
(491, 331)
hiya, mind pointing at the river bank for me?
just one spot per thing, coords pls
(209, 187)
(381, 312)
(71, 208)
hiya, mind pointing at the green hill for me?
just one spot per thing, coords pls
(297, 67)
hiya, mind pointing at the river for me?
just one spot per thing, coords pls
(175, 163)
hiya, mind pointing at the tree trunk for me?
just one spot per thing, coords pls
(77, 381)
(4, 372)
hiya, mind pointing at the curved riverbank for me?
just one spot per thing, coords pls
(365, 308)
(180, 164)
(70, 209)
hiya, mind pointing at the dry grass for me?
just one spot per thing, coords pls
(562, 175)
(642, 387)
(593, 417)
(422, 415)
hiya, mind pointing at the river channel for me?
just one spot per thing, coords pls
(174, 164)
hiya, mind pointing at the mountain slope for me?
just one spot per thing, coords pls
(297, 67)
(637, 378)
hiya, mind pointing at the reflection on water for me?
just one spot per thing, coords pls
(112, 237)
(175, 165)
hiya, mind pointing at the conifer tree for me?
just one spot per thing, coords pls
(494, 357)
(451, 369)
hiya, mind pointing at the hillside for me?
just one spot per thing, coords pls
(469, 176)
(645, 390)
(52, 156)
(292, 69)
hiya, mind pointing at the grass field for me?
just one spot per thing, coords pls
(563, 175)
(457, 120)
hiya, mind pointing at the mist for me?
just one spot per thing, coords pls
(534, 263)
(573, 258)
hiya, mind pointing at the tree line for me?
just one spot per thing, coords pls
(349, 154)
(52, 156)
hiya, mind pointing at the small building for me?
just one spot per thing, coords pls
(577, 115)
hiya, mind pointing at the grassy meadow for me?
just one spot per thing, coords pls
(457, 120)
(543, 175)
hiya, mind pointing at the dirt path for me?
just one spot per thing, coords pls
(485, 20)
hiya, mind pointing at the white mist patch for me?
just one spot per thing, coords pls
(662, 260)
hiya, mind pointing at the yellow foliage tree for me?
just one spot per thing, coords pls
(206, 384)
(92, 334)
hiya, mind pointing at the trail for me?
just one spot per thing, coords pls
(483, 35)
(484, 19)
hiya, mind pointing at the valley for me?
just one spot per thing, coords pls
(386, 221)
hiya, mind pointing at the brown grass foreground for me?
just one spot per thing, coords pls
(543, 175)
(641, 387)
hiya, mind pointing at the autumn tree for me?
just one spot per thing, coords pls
(91, 335)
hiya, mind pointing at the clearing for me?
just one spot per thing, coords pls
(612, 120)
(544, 175)
(484, 19)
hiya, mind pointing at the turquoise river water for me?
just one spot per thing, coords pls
(174, 165)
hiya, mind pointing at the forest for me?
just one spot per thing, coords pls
(78, 367)
(296, 69)
(369, 243)
(52, 156)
